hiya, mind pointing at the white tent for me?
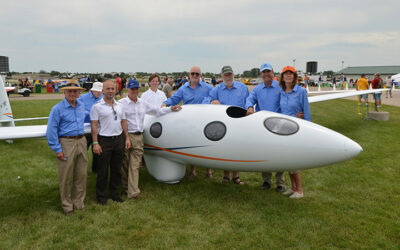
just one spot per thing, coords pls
(396, 78)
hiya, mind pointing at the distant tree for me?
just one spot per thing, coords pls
(247, 73)
(108, 75)
(42, 71)
(54, 73)
(328, 73)
(255, 72)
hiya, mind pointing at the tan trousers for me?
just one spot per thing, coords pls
(130, 166)
(73, 167)
(280, 180)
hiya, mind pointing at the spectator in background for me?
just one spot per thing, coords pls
(213, 81)
(389, 85)
(377, 83)
(167, 89)
(119, 87)
(362, 84)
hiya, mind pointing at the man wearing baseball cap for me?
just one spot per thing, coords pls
(89, 99)
(266, 96)
(134, 109)
(65, 136)
(233, 93)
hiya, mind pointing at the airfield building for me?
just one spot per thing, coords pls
(355, 72)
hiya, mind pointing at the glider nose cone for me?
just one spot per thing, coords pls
(352, 148)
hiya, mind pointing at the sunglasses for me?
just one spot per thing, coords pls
(194, 74)
(114, 112)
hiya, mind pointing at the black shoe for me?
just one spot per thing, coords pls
(118, 199)
(265, 186)
(102, 202)
(280, 189)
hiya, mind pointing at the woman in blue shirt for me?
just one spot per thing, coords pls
(293, 100)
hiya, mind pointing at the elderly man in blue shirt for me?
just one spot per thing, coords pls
(230, 92)
(89, 99)
(65, 136)
(192, 92)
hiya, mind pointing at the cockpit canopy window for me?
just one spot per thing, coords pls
(236, 112)
(215, 131)
(281, 126)
(156, 129)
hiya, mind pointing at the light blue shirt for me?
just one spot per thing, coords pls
(294, 102)
(64, 120)
(89, 100)
(265, 98)
(189, 95)
(235, 96)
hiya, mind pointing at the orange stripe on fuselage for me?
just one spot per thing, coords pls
(197, 156)
(7, 114)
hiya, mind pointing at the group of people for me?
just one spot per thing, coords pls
(117, 128)
(376, 83)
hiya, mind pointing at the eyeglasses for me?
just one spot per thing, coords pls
(194, 74)
(115, 113)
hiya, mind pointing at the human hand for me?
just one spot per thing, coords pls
(97, 149)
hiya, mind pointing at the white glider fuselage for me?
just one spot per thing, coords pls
(245, 143)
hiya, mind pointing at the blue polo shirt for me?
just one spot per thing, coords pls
(189, 95)
(64, 120)
(89, 100)
(265, 98)
(237, 95)
(294, 102)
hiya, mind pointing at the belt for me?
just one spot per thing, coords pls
(136, 133)
(72, 137)
(111, 137)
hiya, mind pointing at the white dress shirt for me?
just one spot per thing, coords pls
(109, 121)
(155, 98)
(134, 112)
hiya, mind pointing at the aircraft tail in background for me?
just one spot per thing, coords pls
(6, 116)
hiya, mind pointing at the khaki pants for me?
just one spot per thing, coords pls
(130, 166)
(73, 167)
(280, 180)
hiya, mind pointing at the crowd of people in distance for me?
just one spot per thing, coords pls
(117, 127)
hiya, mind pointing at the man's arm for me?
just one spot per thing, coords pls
(96, 146)
(52, 133)
(250, 102)
(124, 125)
(175, 98)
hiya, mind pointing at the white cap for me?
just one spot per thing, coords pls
(97, 86)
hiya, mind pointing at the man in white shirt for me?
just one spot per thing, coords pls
(109, 126)
(134, 109)
(153, 95)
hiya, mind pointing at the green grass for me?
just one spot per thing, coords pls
(354, 204)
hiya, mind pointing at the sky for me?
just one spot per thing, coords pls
(172, 36)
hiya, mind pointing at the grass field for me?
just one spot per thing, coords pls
(354, 204)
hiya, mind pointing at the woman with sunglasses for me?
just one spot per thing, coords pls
(293, 101)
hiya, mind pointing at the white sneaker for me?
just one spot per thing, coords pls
(296, 195)
(288, 192)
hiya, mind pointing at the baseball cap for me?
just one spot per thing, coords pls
(226, 70)
(133, 84)
(288, 68)
(265, 66)
(97, 86)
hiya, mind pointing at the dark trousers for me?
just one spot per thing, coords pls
(89, 141)
(112, 156)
